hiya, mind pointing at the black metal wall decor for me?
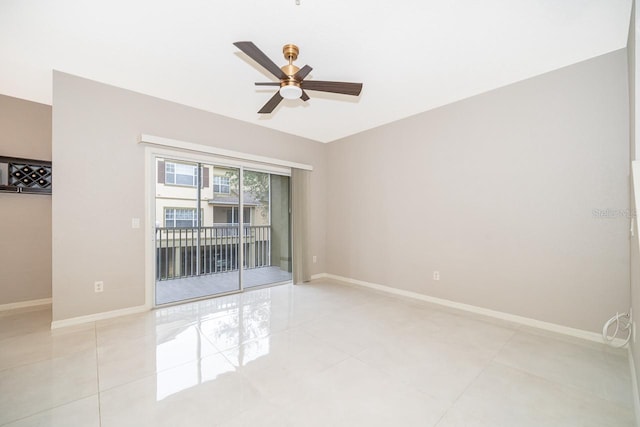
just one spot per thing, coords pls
(25, 175)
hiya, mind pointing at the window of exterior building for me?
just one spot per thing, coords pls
(180, 217)
(221, 184)
(181, 174)
(229, 215)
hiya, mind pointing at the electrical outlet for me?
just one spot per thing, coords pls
(98, 286)
(436, 275)
(315, 259)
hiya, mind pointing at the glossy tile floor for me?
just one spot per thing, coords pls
(323, 354)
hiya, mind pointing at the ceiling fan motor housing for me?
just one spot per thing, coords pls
(290, 52)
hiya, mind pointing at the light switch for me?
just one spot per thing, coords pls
(135, 222)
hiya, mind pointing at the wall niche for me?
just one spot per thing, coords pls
(19, 175)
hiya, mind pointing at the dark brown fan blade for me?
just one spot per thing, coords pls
(333, 87)
(304, 96)
(271, 104)
(302, 73)
(267, 83)
(257, 55)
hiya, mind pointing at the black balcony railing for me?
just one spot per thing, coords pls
(192, 251)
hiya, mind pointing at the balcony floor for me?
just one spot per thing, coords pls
(168, 291)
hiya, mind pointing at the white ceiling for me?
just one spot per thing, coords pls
(411, 55)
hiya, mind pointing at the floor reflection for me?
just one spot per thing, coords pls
(190, 375)
(221, 324)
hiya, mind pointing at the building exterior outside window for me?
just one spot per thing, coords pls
(197, 212)
(180, 217)
(181, 174)
(221, 184)
(177, 196)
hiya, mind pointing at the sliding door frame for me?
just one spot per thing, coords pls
(151, 155)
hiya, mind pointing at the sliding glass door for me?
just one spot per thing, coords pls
(267, 231)
(218, 229)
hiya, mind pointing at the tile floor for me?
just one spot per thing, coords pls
(324, 354)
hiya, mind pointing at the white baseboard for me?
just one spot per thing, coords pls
(547, 326)
(634, 387)
(99, 316)
(25, 304)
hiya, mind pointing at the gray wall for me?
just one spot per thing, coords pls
(25, 219)
(497, 193)
(100, 185)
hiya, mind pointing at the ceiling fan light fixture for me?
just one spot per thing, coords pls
(290, 92)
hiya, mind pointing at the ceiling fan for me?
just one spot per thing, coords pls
(292, 83)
